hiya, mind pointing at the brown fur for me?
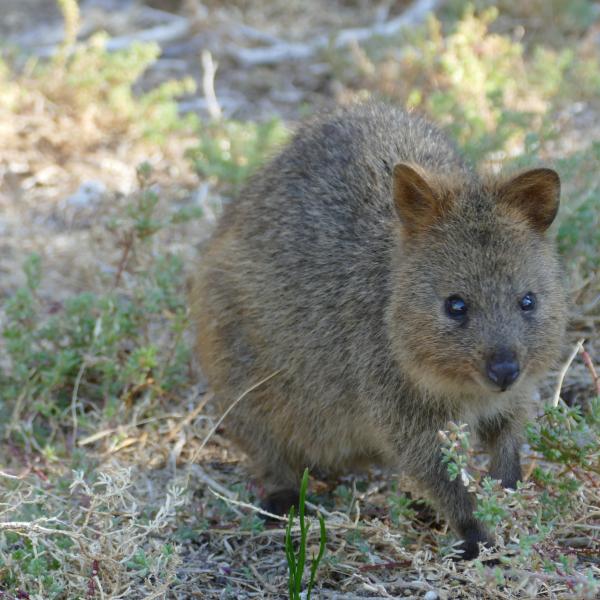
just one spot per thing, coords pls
(332, 268)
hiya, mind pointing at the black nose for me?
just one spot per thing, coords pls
(503, 368)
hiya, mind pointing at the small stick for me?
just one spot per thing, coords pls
(587, 359)
(209, 68)
(128, 241)
(31, 527)
(256, 509)
(248, 505)
(281, 51)
(563, 371)
(9, 476)
(231, 407)
(530, 469)
(106, 432)
(74, 397)
(199, 472)
(189, 418)
(319, 508)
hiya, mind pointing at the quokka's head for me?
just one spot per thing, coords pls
(478, 303)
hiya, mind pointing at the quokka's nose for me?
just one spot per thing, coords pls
(503, 368)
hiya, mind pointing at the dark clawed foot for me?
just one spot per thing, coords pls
(510, 484)
(467, 550)
(279, 503)
(469, 547)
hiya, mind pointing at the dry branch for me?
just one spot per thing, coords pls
(563, 371)
(587, 360)
(256, 509)
(203, 476)
(28, 528)
(166, 27)
(287, 51)
(178, 27)
(209, 68)
(230, 408)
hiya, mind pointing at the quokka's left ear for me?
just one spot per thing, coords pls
(535, 194)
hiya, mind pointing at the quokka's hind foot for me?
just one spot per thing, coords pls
(278, 477)
(280, 502)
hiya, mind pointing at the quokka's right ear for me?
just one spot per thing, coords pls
(414, 199)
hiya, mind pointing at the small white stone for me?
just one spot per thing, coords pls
(430, 595)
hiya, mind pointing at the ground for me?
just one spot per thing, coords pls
(116, 478)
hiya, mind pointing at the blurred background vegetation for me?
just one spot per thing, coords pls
(125, 127)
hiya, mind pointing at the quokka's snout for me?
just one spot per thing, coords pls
(503, 368)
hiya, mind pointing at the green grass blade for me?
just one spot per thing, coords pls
(303, 532)
(289, 554)
(317, 559)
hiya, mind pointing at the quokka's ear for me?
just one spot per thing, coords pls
(415, 201)
(535, 194)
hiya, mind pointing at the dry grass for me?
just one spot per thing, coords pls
(162, 509)
(151, 500)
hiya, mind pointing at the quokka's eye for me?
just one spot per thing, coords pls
(527, 302)
(456, 307)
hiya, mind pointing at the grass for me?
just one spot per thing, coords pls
(489, 90)
(98, 353)
(109, 445)
(99, 540)
(297, 560)
(230, 151)
(87, 86)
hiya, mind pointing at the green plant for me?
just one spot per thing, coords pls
(485, 87)
(401, 509)
(93, 87)
(93, 537)
(456, 451)
(578, 233)
(297, 560)
(569, 436)
(98, 354)
(229, 151)
(568, 440)
(551, 22)
(71, 19)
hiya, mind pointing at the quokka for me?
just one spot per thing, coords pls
(391, 289)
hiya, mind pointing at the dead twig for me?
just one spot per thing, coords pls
(168, 27)
(189, 418)
(128, 242)
(284, 51)
(256, 509)
(203, 476)
(563, 371)
(209, 69)
(27, 527)
(587, 360)
(229, 409)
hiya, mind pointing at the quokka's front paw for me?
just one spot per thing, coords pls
(472, 535)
